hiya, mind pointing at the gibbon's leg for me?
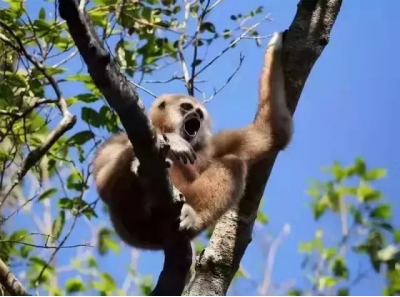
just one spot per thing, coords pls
(272, 128)
(112, 167)
(213, 193)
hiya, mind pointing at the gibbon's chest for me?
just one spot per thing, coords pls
(183, 175)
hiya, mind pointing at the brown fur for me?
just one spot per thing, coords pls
(213, 183)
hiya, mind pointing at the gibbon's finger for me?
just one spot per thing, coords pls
(183, 158)
(191, 158)
(192, 152)
(175, 155)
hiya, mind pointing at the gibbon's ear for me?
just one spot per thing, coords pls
(162, 105)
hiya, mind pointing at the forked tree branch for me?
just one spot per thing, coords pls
(121, 96)
(304, 42)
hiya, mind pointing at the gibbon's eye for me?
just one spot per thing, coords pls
(162, 105)
(186, 106)
(200, 113)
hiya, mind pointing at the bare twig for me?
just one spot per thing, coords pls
(143, 89)
(196, 38)
(231, 45)
(46, 246)
(10, 282)
(227, 81)
(180, 49)
(269, 265)
(63, 61)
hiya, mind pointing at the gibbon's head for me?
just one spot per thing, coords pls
(183, 115)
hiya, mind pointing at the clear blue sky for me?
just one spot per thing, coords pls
(349, 108)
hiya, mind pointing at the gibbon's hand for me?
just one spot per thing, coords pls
(179, 149)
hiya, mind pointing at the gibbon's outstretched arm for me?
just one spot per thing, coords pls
(272, 128)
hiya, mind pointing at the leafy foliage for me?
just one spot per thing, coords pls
(367, 230)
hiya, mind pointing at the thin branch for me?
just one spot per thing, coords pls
(62, 62)
(231, 45)
(180, 49)
(269, 265)
(143, 89)
(10, 282)
(227, 81)
(46, 246)
(196, 38)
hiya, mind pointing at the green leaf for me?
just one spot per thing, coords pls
(24, 250)
(47, 194)
(319, 207)
(262, 218)
(92, 263)
(375, 174)
(207, 26)
(65, 203)
(397, 236)
(327, 281)
(74, 285)
(146, 286)
(196, 62)
(75, 181)
(106, 243)
(337, 171)
(81, 138)
(58, 225)
(340, 269)
(343, 292)
(295, 292)
(359, 167)
(366, 193)
(383, 211)
(42, 14)
(306, 247)
(87, 97)
(90, 116)
(329, 253)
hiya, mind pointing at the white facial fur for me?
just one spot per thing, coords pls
(172, 112)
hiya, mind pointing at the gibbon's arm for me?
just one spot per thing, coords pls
(272, 127)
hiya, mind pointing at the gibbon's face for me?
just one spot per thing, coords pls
(183, 115)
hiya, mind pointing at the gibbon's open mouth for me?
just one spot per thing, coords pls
(191, 126)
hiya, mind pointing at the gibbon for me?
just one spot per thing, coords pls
(209, 170)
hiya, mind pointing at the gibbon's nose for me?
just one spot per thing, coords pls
(200, 113)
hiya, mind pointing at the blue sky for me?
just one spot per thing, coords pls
(348, 108)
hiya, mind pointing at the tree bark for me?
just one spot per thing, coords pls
(10, 282)
(122, 97)
(303, 44)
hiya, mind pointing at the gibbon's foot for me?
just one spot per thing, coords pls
(187, 218)
(135, 166)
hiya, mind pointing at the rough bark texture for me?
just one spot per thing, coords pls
(304, 42)
(10, 282)
(121, 96)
